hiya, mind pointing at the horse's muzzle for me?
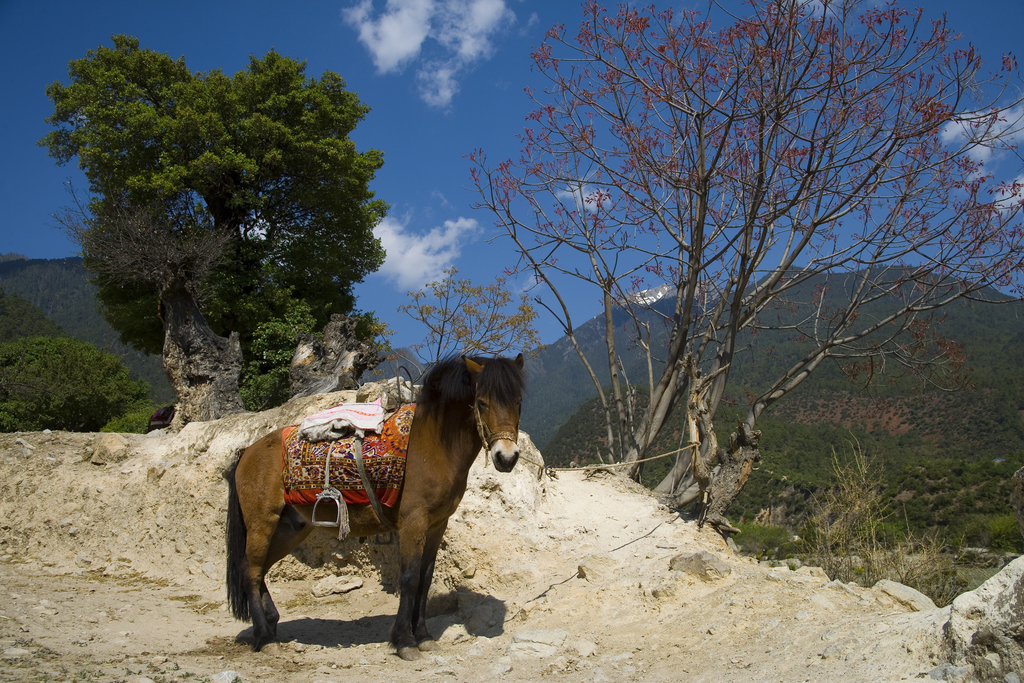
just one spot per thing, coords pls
(504, 455)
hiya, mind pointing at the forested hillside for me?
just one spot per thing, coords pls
(61, 290)
(946, 455)
(19, 319)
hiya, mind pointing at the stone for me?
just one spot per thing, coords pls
(704, 565)
(225, 677)
(584, 648)
(948, 672)
(335, 585)
(537, 642)
(393, 393)
(986, 626)
(819, 600)
(813, 571)
(553, 637)
(912, 599)
(531, 650)
(110, 448)
(600, 568)
(502, 666)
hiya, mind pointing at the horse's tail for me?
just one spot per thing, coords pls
(237, 563)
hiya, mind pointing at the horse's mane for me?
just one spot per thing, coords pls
(448, 386)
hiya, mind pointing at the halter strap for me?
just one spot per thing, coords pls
(487, 437)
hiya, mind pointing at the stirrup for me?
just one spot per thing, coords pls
(330, 494)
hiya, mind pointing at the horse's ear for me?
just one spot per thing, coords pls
(471, 365)
(519, 361)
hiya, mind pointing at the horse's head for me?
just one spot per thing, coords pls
(498, 400)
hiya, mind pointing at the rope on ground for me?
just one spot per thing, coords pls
(617, 464)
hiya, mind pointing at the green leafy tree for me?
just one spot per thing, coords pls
(63, 383)
(217, 202)
(460, 316)
(272, 348)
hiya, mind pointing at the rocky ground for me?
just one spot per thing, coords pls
(111, 566)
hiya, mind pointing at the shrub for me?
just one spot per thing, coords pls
(1005, 534)
(850, 537)
(135, 421)
(764, 541)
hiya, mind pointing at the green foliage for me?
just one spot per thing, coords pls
(19, 318)
(135, 421)
(1005, 534)
(766, 540)
(262, 157)
(62, 383)
(270, 353)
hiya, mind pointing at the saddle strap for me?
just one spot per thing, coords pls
(368, 485)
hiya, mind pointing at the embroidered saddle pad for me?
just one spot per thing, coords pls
(383, 455)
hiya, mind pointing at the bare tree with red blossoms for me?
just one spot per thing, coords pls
(736, 161)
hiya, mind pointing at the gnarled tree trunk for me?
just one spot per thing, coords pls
(735, 465)
(202, 367)
(334, 364)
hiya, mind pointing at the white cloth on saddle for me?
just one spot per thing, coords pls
(341, 421)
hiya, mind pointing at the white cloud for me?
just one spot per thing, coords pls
(414, 260)
(982, 136)
(461, 29)
(395, 37)
(437, 83)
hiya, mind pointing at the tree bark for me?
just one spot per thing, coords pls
(734, 469)
(202, 367)
(334, 364)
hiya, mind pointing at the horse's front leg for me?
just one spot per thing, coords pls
(412, 537)
(424, 641)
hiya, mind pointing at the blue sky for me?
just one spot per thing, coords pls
(444, 77)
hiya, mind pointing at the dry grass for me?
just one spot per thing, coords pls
(852, 537)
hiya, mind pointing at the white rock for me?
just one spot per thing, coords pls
(985, 624)
(502, 666)
(584, 648)
(912, 599)
(704, 565)
(553, 637)
(110, 447)
(601, 568)
(335, 585)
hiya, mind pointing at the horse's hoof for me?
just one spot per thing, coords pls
(272, 649)
(409, 654)
(429, 645)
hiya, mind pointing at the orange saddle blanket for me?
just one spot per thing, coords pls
(383, 455)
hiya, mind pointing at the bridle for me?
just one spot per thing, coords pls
(488, 437)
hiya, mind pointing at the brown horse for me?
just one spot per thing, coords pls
(463, 403)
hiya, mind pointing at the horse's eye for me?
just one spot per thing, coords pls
(482, 404)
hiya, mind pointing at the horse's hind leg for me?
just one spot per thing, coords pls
(261, 499)
(291, 530)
